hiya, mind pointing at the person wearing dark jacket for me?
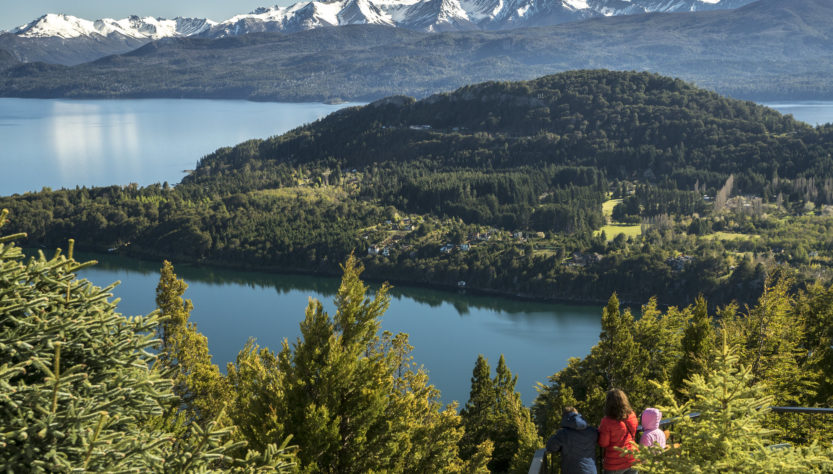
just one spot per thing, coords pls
(576, 441)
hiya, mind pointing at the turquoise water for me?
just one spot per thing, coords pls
(447, 329)
(64, 143)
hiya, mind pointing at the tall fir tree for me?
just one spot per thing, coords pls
(697, 346)
(769, 336)
(496, 413)
(351, 398)
(477, 412)
(201, 387)
(79, 387)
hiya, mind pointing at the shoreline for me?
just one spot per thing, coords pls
(368, 278)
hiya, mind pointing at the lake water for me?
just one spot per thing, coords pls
(812, 112)
(448, 330)
(64, 143)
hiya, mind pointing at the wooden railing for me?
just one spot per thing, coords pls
(542, 461)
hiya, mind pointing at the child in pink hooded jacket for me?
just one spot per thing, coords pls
(652, 435)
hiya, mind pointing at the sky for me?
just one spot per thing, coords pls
(14, 13)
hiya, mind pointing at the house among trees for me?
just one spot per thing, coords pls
(679, 262)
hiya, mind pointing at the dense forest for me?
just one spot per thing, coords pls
(570, 186)
(84, 388)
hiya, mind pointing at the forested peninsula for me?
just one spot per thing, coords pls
(567, 187)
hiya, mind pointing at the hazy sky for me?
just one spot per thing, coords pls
(14, 13)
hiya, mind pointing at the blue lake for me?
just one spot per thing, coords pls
(68, 143)
(447, 329)
(812, 112)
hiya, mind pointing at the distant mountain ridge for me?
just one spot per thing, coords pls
(768, 50)
(67, 26)
(85, 40)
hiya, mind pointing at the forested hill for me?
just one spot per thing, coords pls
(636, 126)
(570, 186)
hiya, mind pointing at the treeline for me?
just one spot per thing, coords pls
(258, 228)
(646, 201)
(286, 232)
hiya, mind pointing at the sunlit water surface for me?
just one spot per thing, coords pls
(64, 143)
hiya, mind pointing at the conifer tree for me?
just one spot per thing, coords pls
(815, 308)
(730, 433)
(658, 337)
(477, 412)
(496, 413)
(697, 346)
(769, 337)
(620, 357)
(198, 383)
(352, 399)
(79, 390)
(629, 354)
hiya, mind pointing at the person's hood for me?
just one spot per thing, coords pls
(574, 421)
(650, 419)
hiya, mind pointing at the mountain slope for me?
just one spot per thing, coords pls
(766, 50)
(65, 39)
(68, 40)
(7, 59)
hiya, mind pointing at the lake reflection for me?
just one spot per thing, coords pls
(64, 143)
(447, 329)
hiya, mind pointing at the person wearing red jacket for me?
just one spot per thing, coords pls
(618, 430)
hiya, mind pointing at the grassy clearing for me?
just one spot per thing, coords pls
(730, 236)
(612, 230)
(313, 194)
(607, 207)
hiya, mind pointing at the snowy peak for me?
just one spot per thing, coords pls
(438, 15)
(635, 7)
(67, 26)
(362, 12)
(425, 15)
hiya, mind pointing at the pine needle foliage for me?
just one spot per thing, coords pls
(79, 390)
(630, 354)
(201, 387)
(496, 413)
(351, 398)
(730, 433)
(697, 346)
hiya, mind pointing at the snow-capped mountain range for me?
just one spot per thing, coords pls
(65, 39)
(66, 26)
(425, 15)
